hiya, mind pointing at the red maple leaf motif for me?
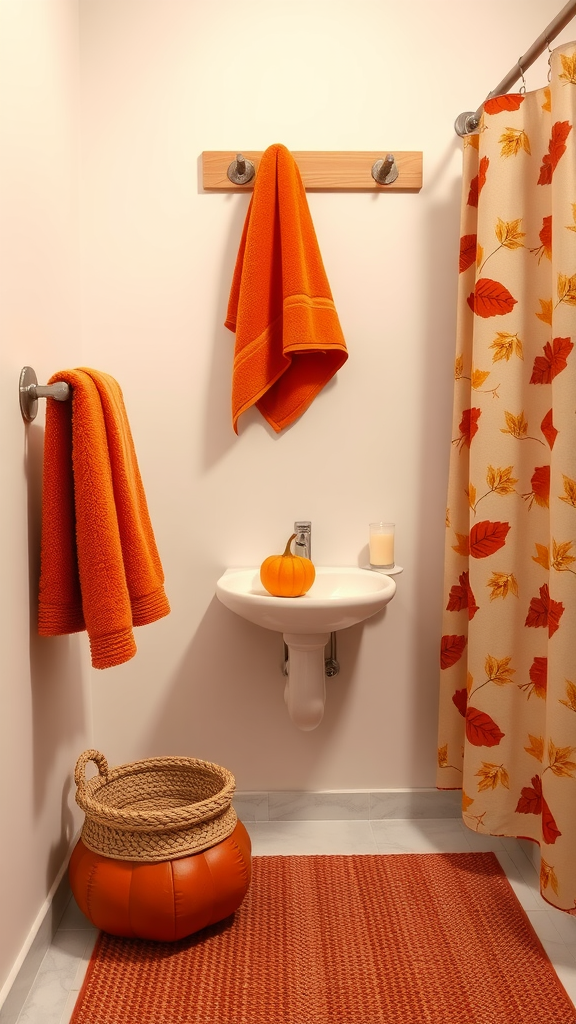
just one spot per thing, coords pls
(460, 699)
(487, 537)
(490, 298)
(481, 730)
(539, 674)
(509, 101)
(544, 611)
(548, 429)
(451, 649)
(477, 183)
(541, 485)
(461, 596)
(546, 235)
(556, 147)
(468, 425)
(553, 361)
(530, 801)
(467, 252)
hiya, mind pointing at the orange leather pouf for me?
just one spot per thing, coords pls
(166, 900)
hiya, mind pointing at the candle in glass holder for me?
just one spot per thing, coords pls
(382, 545)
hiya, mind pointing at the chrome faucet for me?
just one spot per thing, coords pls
(302, 544)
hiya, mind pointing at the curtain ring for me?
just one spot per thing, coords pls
(522, 88)
(549, 61)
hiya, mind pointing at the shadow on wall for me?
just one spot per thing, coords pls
(439, 351)
(219, 435)
(59, 712)
(229, 691)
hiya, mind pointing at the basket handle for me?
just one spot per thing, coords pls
(100, 762)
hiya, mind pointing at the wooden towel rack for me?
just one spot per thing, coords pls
(321, 172)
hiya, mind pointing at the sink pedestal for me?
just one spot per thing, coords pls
(305, 691)
(338, 598)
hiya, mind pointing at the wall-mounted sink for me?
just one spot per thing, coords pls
(338, 598)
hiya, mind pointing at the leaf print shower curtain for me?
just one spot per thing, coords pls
(507, 727)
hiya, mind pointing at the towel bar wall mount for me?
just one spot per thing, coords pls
(29, 391)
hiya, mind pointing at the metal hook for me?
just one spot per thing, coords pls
(241, 171)
(30, 391)
(385, 171)
(522, 88)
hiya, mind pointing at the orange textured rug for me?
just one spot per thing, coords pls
(400, 939)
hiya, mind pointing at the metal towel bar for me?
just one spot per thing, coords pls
(29, 391)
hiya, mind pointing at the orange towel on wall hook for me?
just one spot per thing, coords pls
(289, 342)
(100, 568)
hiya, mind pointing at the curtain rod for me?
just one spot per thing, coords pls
(468, 121)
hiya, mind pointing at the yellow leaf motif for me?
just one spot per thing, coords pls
(505, 345)
(571, 694)
(545, 314)
(548, 876)
(469, 682)
(561, 558)
(567, 289)
(463, 545)
(570, 491)
(569, 65)
(471, 494)
(458, 367)
(516, 425)
(466, 801)
(512, 141)
(478, 377)
(543, 557)
(501, 481)
(480, 253)
(572, 227)
(501, 584)
(508, 233)
(536, 748)
(443, 756)
(498, 670)
(492, 775)
(560, 764)
(472, 140)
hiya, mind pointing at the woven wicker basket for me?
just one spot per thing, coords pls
(153, 810)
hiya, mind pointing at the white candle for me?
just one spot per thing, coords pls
(381, 544)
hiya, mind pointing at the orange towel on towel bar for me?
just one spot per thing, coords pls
(100, 568)
(289, 342)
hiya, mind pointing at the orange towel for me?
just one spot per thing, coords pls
(289, 342)
(100, 568)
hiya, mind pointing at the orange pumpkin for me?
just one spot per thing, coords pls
(167, 900)
(287, 575)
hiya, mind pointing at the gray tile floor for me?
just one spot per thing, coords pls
(53, 994)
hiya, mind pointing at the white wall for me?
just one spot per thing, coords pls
(44, 703)
(161, 82)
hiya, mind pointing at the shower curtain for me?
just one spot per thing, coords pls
(507, 723)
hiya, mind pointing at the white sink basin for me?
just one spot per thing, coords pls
(339, 597)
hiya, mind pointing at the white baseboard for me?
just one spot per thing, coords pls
(18, 983)
(347, 805)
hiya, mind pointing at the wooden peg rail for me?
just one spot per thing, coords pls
(321, 172)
